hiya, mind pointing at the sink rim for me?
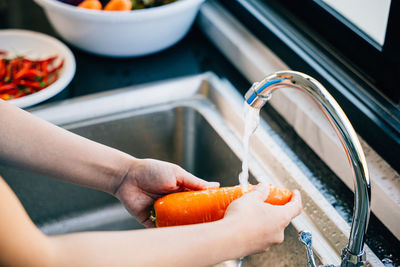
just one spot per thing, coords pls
(220, 104)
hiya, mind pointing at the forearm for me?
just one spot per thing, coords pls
(194, 245)
(32, 143)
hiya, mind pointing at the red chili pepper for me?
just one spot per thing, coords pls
(40, 61)
(29, 83)
(9, 70)
(6, 87)
(44, 67)
(20, 76)
(13, 91)
(3, 69)
(58, 67)
(23, 70)
(14, 66)
(29, 74)
(5, 96)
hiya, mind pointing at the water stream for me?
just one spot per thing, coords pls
(252, 120)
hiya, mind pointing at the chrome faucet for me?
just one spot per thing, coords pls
(353, 254)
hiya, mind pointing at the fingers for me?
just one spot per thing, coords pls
(294, 206)
(190, 181)
(261, 192)
(213, 184)
(148, 223)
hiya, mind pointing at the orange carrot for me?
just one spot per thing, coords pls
(91, 4)
(206, 205)
(118, 5)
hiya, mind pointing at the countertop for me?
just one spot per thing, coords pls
(193, 55)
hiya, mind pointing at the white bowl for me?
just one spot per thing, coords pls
(36, 45)
(122, 33)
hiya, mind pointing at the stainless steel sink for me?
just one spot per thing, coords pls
(197, 123)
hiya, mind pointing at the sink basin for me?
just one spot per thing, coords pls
(197, 123)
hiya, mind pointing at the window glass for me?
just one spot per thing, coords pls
(366, 17)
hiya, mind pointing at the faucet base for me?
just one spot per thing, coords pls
(351, 260)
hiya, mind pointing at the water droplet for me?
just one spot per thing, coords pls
(315, 211)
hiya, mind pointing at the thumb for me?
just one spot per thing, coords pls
(192, 182)
(261, 192)
(294, 206)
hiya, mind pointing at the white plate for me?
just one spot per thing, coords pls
(36, 45)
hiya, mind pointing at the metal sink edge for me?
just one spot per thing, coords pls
(221, 105)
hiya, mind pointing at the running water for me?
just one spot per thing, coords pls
(251, 122)
(252, 119)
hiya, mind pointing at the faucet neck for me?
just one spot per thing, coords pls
(260, 92)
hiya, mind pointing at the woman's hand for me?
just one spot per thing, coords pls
(260, 224)
(149, 179)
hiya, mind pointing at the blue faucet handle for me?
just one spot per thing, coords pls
(306, 238)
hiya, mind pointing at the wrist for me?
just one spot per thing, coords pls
(237, 237)
(124, 168)
(245, 234)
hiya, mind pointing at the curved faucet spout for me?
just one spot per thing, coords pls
(353, 254)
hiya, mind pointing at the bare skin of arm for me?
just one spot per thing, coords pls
(28, 142)
(34, 144)
(31, 143)
(249, 226)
